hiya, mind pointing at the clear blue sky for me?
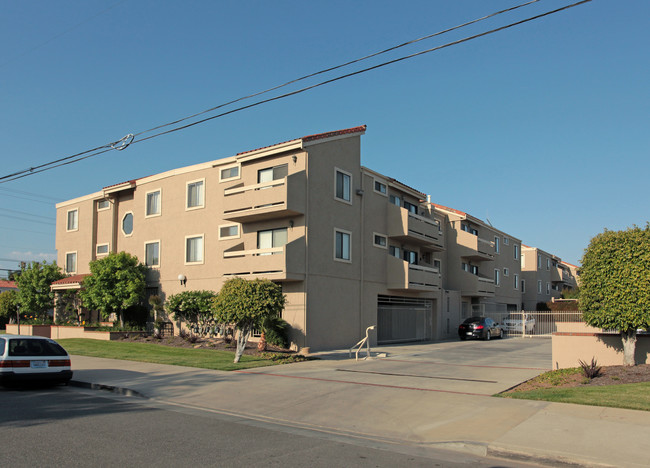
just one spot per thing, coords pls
(542, 128)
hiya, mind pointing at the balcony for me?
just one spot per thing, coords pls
(411, 228)
(476, 285)
(282, 198)
(473, 247)
(406, 277)
(285, 263)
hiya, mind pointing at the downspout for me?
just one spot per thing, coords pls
(361, 257)
(306, 283)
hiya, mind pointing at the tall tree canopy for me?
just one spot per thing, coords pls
(116, 282)
(34, 294)
(615, 284)
(246, 304)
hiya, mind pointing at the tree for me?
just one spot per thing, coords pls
(245, 304)
(116, 282)
(8, 306)
(194, 308)
(34, 281)
(615, 284)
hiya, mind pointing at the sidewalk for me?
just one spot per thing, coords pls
(317, 396)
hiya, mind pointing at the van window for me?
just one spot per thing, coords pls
(2, 346)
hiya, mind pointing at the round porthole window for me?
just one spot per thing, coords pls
(127, 224)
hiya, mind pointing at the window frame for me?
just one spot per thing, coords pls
(539, 286)
(108, 249)
(146, 203)
(349, 175)
(152, 242)
(76, 258)
(506, 240)
(122, 224)
(67, 220)
(497, 244)
(195, 236)
(187, 194)
(236, 236)
(273, 169)
(347, 233)
(516, 281)
(230, 166)
(506, 272)
(381, 184)
(515, 249)
(375, 235)
(108, 204)
(523, 286)
(497, 277)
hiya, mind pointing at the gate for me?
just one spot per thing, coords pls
(402, 319)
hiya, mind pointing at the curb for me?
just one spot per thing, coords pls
(107, 388)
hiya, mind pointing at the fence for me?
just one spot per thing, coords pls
(534, 323)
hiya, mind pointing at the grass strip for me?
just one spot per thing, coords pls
(634, 396)
(154, 353)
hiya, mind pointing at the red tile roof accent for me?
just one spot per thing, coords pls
(8, 284)
(424, 195)
(74, 279)
(132, 181)
(442, 207)
(318, 136)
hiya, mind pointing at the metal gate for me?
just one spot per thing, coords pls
(401, 319)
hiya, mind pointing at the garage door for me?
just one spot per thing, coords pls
(401, 319)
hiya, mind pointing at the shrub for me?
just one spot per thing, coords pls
(136, 315)
(591, 370)
(276, 331)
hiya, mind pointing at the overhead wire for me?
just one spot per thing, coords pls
(110, 146)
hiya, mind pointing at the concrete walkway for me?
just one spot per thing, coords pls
(388, 402)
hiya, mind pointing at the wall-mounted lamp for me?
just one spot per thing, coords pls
(183, 279)
(295, 158)
(291, 223)
(360, 192)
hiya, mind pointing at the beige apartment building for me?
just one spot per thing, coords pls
(544, 276)
(352, 248)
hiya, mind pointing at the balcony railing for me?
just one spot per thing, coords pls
(402, 275)
(279, 198)
(474, 247)
(409, 227)
(475, 285)
(286, 263)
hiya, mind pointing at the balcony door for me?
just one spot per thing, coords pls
(271, 238)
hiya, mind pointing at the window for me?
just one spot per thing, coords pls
(395, 251)
(497, 277)
(506, 241)
(539, 262)
(395, 200)
(506, 272)
(127, 224)
(411, 207)
(229, 173)
(515, 249)
(272, 173)
(271, 238)
(152, 253)
(523, 286)
(380, 240)
(73, 220)
(438, 265)
(496, 244)
(153, 204)
(411, 257)
(548, 263)
(548, 288)
(516, 281)
(464, 266)
(71, 262)
(342, 245)
(343, 185)
(230, 231)
(194, 249)
(473, 269)
(195, 194)
(103, 205)
(539, 286)
(380, 187)
(101, 249)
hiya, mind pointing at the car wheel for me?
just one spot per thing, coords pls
(463, 338)
(501, 333)
(488, 336)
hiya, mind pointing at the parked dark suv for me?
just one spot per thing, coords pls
(479, 327)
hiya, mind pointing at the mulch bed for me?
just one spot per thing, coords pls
(609, 375)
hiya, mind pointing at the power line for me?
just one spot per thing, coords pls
(31, 194)
(25, 230)
(29, 220)
(28, 214)
(120, 144)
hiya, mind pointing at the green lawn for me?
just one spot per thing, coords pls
(631, 396)
(145, 352)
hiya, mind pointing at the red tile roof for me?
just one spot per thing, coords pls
(132, 181)
(74, 279)
(453, 210)
(318, 136)
(8, 284)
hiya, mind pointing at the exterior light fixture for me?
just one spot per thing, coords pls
(183, 279)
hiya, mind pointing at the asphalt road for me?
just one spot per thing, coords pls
(65, 426)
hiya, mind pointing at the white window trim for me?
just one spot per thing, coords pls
(497, 277)
(516, 278)
(103, 209)
(76, 262)
(343, 200)
(197, 207)
(497, 244)
(67, 217)
(185, 262)
(523, 286)
(374, 181)
(506, 241)
(515, 249)
(230, 166)
(229, 225)
(548, 288)
(548, 264)
(122, 224)
(385, 247)
(342, 260)
(146, 196)
(156, 241)
(506, 272)
(539, 286)
(97, 254)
